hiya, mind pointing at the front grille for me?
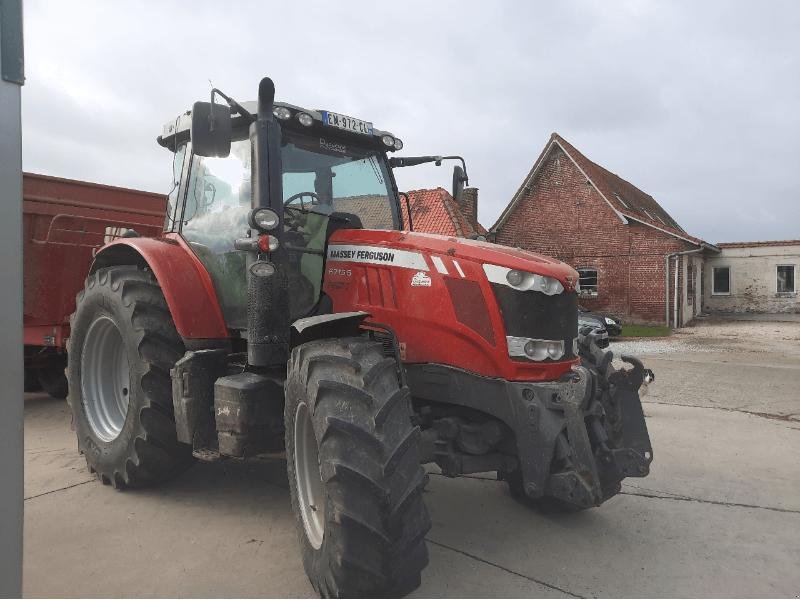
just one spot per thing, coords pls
(539, 316)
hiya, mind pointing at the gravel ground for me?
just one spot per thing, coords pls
(754, 334)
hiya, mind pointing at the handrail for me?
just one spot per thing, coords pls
(106, 223)
(78, 203)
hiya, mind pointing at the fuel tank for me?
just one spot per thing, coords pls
(449, 303)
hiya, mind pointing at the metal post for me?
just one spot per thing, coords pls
(11, 404)
(675, 302)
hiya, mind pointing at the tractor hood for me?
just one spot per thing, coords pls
(413, 243)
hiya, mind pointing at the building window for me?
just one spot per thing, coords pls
(786, 279)
(721, 281)
(588, 282)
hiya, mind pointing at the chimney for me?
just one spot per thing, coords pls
(469, 205)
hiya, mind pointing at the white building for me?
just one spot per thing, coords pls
(753, 277)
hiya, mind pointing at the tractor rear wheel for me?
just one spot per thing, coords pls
(354, 470)
(122, 346)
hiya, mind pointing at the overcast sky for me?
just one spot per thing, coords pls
(696, 103)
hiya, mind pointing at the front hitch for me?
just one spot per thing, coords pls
(605, 437)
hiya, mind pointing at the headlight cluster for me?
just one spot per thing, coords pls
(264, 219)
(282, 113)
(392, 142)
(522, 280)
(537, 350)
(609, 321)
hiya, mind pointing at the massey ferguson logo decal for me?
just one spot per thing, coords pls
(420, 279)
(377, 255)
(362, 255)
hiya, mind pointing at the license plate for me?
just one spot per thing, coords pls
(333, 119)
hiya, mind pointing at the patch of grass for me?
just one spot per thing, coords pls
(645, 331)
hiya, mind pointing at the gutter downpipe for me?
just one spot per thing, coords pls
(677, 256)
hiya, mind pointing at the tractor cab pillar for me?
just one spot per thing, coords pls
(267, 315)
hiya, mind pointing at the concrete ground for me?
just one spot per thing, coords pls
(718, 516)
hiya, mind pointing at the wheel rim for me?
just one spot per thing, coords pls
(310, 492)
(105, 379)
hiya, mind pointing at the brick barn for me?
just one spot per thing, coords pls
(625, 246)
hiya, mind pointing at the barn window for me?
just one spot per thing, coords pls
(588, 281)
(721, 280)
(786, 279)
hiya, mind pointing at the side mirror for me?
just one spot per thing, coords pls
(459, 178)
(211, 129)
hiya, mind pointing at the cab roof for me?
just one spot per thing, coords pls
(176, 132)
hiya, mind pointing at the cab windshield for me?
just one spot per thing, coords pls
(322, 175)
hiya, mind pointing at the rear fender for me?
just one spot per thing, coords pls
(185, 282)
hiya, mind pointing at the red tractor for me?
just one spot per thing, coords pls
(285, 306)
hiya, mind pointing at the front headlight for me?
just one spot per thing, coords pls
(532, 349)
(515, 278)
(265, 219)
(523, 281)
(610, 321)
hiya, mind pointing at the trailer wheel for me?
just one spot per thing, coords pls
(122, 346)
(354, 470)
(52, 378)
(32, 383)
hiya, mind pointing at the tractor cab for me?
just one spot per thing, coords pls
(334, 174)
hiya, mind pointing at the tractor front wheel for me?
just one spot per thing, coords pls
(354, 470)
(122, 346)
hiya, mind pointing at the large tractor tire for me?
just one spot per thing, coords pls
(122, 346)
(354, 470)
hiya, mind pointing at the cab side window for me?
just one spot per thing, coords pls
(214, 214)
(175, 188)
